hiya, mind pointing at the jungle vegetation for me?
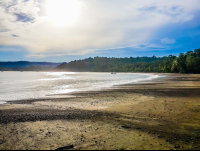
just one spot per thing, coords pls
(188, 62)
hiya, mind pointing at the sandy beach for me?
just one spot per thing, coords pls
(160, 114)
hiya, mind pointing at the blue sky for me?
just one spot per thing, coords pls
(65, 30)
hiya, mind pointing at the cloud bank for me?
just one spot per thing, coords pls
(100, 25)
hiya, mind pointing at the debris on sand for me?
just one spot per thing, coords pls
(65, 148)
(126, 127)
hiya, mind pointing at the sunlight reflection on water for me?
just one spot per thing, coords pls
(27, 85)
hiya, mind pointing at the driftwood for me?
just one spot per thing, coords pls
(66, 147)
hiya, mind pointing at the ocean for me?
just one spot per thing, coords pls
(15, 85)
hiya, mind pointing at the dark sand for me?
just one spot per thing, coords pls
(161, 114)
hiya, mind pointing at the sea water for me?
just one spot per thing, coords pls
(16, 85)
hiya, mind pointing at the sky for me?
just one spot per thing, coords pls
(65, 30)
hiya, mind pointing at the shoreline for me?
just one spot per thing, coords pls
(161, 114)
(73, 94)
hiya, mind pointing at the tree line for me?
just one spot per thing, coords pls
(188, 62)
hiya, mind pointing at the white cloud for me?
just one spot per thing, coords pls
(100, 25)
(168, 41)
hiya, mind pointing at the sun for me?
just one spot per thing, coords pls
(63, 12)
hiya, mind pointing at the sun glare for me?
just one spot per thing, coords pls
(63, 12)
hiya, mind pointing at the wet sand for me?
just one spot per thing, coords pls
(161, 114)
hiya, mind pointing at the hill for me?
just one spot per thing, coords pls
(184, 63)
(27, 64)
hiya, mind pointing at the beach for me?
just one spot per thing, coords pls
(160, 114)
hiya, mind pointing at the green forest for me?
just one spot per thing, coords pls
(188, 62)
